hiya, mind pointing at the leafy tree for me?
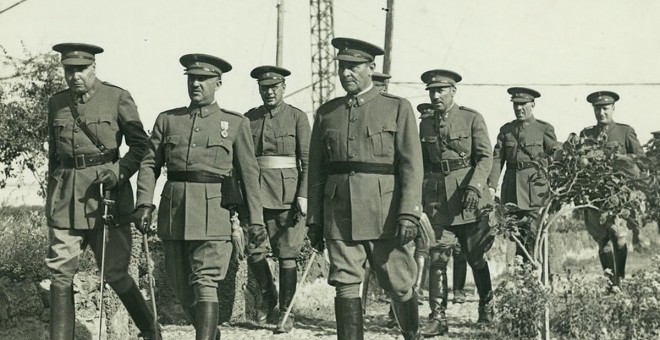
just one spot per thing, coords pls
(24, 94)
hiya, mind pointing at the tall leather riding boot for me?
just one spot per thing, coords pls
(438, 303)
(192, 315)
(421, 274)
(349, 318)
(460, 271)
(62, 313)
(288, 281)
(607, 262)
(485, 290)
(620, 257)
(140, 313)
(407, 315)
(264, 277)
(206, 322)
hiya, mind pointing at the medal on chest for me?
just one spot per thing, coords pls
(224, 129)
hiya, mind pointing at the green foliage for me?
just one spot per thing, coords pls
(520, 303)
(23, 108)
(652, 167)
(590, 308)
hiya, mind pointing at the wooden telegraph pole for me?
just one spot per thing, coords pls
(389, 28)
(280, 32)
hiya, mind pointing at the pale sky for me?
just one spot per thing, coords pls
(507, 42)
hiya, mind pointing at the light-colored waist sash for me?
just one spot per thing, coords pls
(277, 162)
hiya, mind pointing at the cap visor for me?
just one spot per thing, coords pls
(352, 59)
(201, 72)
(521, 100)
(431, 86)
(76, 62)
(267, 82)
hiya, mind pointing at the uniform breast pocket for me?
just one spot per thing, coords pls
(104, 129)
(432, 146)
(62, 130)
(382, 139)
(331, 140)
(286, 141)
(461, 141)
(220, 148)
(534, 148)
(171, 142)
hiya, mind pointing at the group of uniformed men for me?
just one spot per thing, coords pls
(361, 191)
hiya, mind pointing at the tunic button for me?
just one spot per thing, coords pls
(351, 173)
(351, 155)
(76, 146)
(189, 162)
(351, 138)
(196, 129)
(76, 130)
(353, 119)
(194, 145)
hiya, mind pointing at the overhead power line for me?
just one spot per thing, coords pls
(535, 84)
(12, 6)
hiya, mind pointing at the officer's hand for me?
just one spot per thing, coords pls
(107, 177)
(302, 206)
(257, 234)
(470, 199)
(315, 235)
(407, 230)
(142, 218)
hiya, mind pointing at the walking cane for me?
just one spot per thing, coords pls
(107, 202)
(293, 298)
(152, 282)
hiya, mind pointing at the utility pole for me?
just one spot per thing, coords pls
(280, 32)
(389, 28)
(323, 64)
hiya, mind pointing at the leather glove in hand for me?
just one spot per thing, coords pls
(315, 236)
(407, 230)
(470, 199)
(106, 177)
(142, 218)
(257, 234)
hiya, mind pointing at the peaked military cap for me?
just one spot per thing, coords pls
(522, 94)
(425, 108)
(269, 75)
(440, 78)
(204, 64)
(602, 98)
(656, 134)
(77, 53)
(354, 50)
(380, 78)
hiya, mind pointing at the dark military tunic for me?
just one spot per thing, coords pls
(72, 202)
(457, 154)
(210, 140)
(373, 128)
(518, 144)
(619, 135)
(283, 131)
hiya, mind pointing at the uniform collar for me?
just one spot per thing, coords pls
(274, 111)
(204, 111)
(361, 98)
(526, 123)
(89, 94)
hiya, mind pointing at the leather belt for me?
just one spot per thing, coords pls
(335, 168)
(85, 160)
(194, 177)
(277, 162)
(448, 165)
(521, 165)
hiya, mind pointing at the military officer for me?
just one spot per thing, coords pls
(457, 159)
(611, 236)
(86, 124)
(520, 143)
(281, 144)
(364, 190)
(381, 80)
(200, 145)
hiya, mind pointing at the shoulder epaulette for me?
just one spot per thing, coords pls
(253, 109)
(111, 85)
(389, 95)
(468, 109)
(173, 110)
(624, 125)
(232, 112)
(295, 108)
(329, 105)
